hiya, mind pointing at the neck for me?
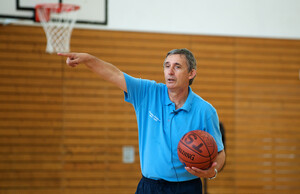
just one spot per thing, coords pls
(178, 97)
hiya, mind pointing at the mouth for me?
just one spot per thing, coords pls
(171, 79)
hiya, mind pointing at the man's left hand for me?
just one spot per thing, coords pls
(203, 173)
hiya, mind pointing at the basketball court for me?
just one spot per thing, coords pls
(65, 130)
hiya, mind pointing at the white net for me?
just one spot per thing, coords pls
(58, 21)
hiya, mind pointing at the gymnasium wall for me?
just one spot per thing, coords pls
(247, 18)
(62, 129)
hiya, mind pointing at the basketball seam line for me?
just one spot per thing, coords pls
(206, 147)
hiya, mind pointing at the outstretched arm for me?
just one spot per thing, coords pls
(104, 69)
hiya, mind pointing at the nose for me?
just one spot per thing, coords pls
(171, 71)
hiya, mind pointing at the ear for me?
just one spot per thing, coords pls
(192, 74)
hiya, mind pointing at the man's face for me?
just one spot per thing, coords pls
(176, 72)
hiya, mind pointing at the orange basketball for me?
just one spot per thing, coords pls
(197, 149)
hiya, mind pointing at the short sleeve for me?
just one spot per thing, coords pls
(137, 89)
(213, 127)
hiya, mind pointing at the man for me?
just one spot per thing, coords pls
(165, 112)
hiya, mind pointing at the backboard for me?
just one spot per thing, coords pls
(91, 11)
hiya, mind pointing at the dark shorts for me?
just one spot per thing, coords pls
(150, 186)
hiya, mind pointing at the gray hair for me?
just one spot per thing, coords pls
(191, 61)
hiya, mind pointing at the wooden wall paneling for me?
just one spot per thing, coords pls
(30, 114)
(267, 108)
(102, 121)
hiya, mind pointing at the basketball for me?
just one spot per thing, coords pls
(197, 149)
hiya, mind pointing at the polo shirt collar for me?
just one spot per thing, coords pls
(188, 103)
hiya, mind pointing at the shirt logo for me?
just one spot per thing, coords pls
(153, 116)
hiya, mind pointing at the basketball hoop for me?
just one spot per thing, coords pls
(58, 20)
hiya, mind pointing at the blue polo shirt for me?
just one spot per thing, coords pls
(160, 127)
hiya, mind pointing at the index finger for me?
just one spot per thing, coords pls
(65, 54)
